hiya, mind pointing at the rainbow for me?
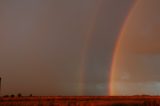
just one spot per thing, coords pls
(117, 48)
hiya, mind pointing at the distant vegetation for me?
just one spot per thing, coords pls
(18, 95)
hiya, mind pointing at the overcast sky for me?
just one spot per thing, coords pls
(137, 67)
(58, 47)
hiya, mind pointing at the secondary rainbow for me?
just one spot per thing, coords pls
(87, 42)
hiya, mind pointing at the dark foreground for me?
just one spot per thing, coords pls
(81, 101)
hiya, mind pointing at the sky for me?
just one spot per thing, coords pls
(58, 47)
(136, 65)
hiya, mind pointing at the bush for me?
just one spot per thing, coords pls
(12, 95)
(6, 96)
(19, 95)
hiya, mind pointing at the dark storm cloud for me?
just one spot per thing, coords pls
(41, 42)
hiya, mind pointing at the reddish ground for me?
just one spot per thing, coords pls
(81, 101)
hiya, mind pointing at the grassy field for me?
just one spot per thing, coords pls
(81, 101)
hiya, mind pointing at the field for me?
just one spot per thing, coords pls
(81, 101)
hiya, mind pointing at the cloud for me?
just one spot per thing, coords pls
(138, 88)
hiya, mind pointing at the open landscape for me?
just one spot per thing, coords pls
(79, 52)
(81, 101)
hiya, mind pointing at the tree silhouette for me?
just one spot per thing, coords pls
(19, 95)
